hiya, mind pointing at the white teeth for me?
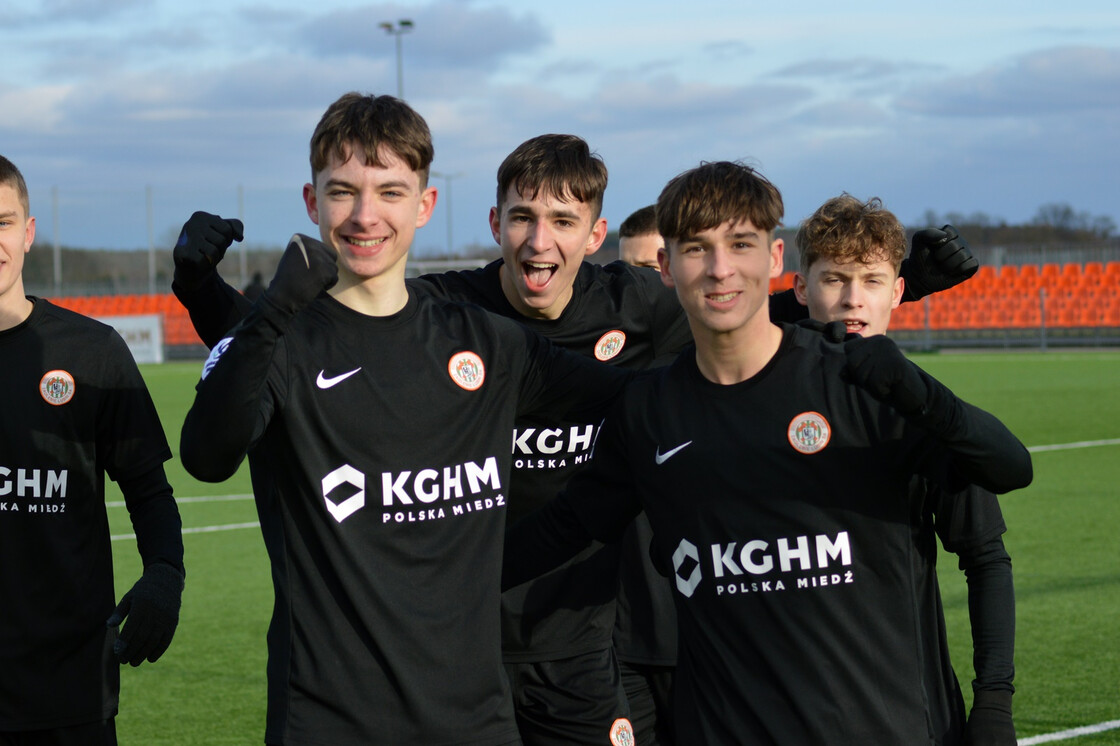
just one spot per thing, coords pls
(367, 244)
(722, 297)
(538, 265)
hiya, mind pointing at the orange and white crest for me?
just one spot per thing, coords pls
(809, 432)
(56, 387)
(466, 370)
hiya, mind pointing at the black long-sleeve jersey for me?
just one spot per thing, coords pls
(386, 442)
(780, 508)
(75, 410)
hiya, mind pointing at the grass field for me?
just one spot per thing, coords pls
(209, 688)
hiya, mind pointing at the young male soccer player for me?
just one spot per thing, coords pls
(638, 239)
(382, 415)
(770, 464)
(75, 409)
(557, 629)
(850, 254)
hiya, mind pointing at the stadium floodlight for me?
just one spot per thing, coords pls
(403, 26)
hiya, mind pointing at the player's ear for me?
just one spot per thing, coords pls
(598, 235)
(800, 285)
(496, 225)
(427, 206)
(663, 265)
(777, 257)
(899, 287)
(311, 201)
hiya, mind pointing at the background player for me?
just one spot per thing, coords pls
(382, 415)
(850, 254)
(75, 409)
(772, 485)
(638, 239)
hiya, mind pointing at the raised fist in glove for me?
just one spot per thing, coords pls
(152, 612)
(202, 244)
(876, 365)
(307, 268)
(939, 259)
(989, 722)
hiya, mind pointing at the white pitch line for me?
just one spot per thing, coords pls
(182, 500)
(1062, 735)
(198, 530)
(1079, 444)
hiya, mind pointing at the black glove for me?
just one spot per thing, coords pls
(989, 723)
(878, 366)
(201, 245)
(307, 268)
(833, 331)
(939, 259)
(152, 608)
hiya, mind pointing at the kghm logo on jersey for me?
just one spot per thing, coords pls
(56, 387)
(809, 432)
(622, 733)
(466, 370)
(609, 345)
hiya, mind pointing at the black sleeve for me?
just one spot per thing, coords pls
(784, 306)
(983, 451)
(599, 503)
(155, 517)
(215, 307)
(991, 611)
(232, 404)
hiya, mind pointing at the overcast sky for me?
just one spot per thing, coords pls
(996, 107)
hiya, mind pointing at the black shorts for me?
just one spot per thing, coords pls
(649, 690)
(103, 733)
(573, 701)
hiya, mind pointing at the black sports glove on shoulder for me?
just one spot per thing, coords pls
(833, 331)
(939, 259)
(152, 608)
(989, 722)
(307, 268)
(202, 244)
(878, 366)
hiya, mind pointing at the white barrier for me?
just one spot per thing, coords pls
(142, 333)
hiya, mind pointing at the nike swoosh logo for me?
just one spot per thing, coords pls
(325, 383)
(661, 458)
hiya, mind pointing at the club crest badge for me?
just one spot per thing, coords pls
(56, 387)
(609, 345)
(466, 370)
(622, 733)
(809, 432)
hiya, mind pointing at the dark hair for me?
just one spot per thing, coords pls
(714, 193)
(560, 165)
(11, 176)
(846, 230)
(639, 223)
(371, 123)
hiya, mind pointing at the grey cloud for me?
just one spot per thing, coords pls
(1064, 81)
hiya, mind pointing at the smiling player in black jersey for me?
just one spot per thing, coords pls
(75, 410)
(381, 417)
(772, 464)
(850, 254)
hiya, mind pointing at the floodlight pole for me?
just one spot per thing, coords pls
(403, 26)
(450, 236)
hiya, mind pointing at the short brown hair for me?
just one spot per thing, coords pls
(11, 176)
(641, 222)
(714, 193)
(560, 165)
(845, 230)
(372, 122)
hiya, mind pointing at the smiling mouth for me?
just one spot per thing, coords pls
(366, 243)
(537, 274)
(722, 297)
